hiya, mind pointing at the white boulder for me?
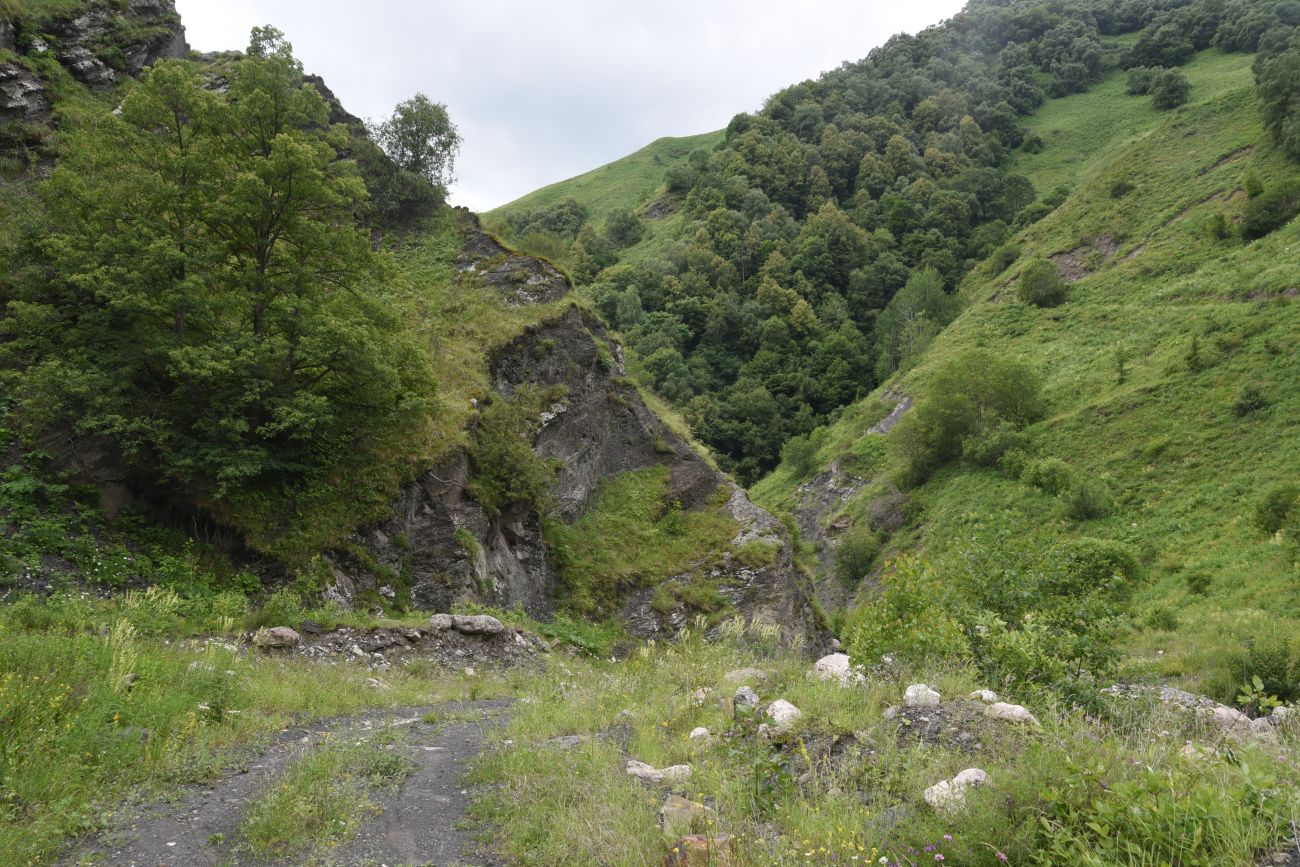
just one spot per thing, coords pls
(949, 796)
(276, 638)
(921, 695)
(650, 774)
(477, 624)
(836, 667)
(987, 696)
(698, 732)
(783, 716)
(1010, 713)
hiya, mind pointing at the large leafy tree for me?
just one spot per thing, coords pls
(199, 291)
(421, 138)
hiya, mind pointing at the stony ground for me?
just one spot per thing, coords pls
(421, 822)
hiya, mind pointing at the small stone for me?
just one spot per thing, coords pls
(387, 592)
(920, 695)
(275, 638)
(700, 696)
(477, 624)
(564, 743)
(469, 671)
(650, 774)
(440, 622)
(412, 635)
(1010, 713)
(625, 715)
(311, 627)
(892, 711)
(745, 701)
(987, 696)
(700, 850)
(680, 816)
(784, 715)
(949, 796)
(377, 684)
(698, 732)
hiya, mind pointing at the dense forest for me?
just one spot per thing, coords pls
(824, 236)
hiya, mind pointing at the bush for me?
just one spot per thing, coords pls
(987, 448)
(624, 228)
(1087, 500)
(1170, 89)
(1271, 210)
(968, 397)
(1120, 189)
(1276, 508)
(1033, 144)
(1140, 79)
(799, 454)
(889, 513)
(506, 470)
(855, 553)
(1041, 284)
(1004, 257)
(1050, 475)
(907, 619)
(1220, 228)
(1249, 399)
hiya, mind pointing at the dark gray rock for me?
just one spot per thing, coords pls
(22, 95)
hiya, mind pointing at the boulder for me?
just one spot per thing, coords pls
(700, 696)
(987, 696)
(276, 638)
(920, 695)
(745, 701)
(949, 796)
(650, 774)
(680, 816)
(440, 622)
(783, 716)
(836, 667)
(477, 624)
(1010, 713)
(698, 732)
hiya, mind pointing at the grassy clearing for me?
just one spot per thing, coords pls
(624, 184)
(847, 787)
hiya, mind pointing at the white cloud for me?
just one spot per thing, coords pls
(544, 91)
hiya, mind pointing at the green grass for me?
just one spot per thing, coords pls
(1185, 471)
(822, 799)
(43, 10)
(1087, 131)
(627, 183)
(322, 800)
(633, 537)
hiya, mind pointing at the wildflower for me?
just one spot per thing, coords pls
(939, 857)
(947, 836)
(1002, 856)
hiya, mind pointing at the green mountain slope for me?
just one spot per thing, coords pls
(625, 183)
(1203, 329)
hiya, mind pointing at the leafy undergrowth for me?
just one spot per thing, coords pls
(632, 537)
(1113, 788)
(97, 706)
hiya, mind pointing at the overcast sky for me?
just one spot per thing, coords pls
(543, 91)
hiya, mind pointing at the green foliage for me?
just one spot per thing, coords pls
(855, 553)
(1249, 399)
(1140, 79)
(1004, 257)
(1041, 284)
(421, 139)
(1271, 210)
(624, 228)
(199, 293)
(1170, 89)
(1278, 78)
(1086, 500)
(1276, 507)
(908, 619)
(631, 537)
(972, 396)
(507, 472)
(910, 321)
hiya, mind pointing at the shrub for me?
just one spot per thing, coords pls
(1086, 500)
(855, 553)
(1050, 475)
(1004, 257)
(1198, 582)
(506, 470)
(987, 448)
(888, 513)
(1170, 89)
(1120, 189)
(1220, 228)
(799, 454)
(1033, 144)
(1271, 210)
(1140, 79)
(1041, 284)
(968, 396)
(907, 619)
(1249, 399)
(1276, 508)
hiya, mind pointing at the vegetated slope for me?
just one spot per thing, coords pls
(1170, 374)
(626, 183)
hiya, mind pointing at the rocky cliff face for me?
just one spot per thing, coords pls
(447, 548)
(97, 45)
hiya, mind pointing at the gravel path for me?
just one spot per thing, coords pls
(422, 823)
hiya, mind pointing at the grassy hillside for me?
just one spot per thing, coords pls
(1190, 320)
(625, 183)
